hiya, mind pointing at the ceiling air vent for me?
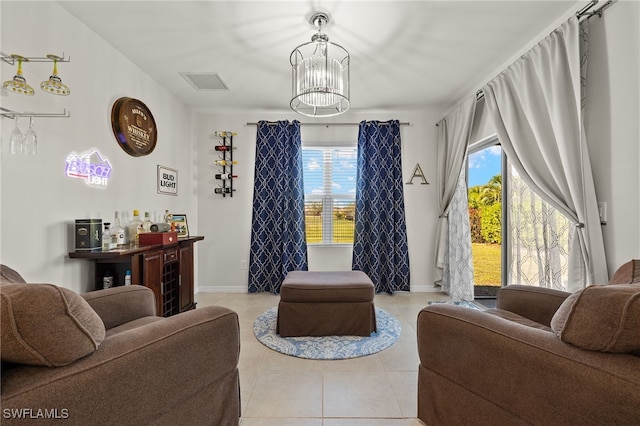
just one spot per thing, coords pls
(205, 80)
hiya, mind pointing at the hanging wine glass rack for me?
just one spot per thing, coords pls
(11, 60)
(225, 161)
(13, 114)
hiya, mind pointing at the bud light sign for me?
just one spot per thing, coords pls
(90, 166)
(167, 181)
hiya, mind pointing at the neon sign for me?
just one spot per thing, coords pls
(90, 166)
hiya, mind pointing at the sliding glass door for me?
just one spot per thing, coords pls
(516, 237)
(485, 169)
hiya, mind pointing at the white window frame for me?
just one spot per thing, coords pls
(328, 198)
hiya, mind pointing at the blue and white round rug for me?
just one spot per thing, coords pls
(327, 347)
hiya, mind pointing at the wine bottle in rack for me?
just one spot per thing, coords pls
(225, 163)
(222, 134)
(225, 176)
(222, 190)
(222, 148)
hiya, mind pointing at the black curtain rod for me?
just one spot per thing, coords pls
(273, 123)
(587, 13)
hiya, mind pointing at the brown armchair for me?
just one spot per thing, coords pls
(128, 367)
(541, 357)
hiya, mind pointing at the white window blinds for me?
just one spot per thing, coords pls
(330, 188)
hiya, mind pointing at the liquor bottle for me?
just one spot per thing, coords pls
(106, 237)
(225, 162)
(146, 225)
(118, 231)
(114, 241)
(134, 226)
(124, 221)
(107, 280)
(225, 176)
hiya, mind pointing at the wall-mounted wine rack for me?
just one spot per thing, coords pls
(225, 161)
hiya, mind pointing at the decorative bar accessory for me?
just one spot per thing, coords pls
(225, 161)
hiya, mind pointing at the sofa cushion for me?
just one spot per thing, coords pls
(629, 273)
(46, 325)
(601, 318)
(8, 275)
(513, 317)
(327, 287)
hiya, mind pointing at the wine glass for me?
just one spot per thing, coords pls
(54, 85)
(16, 140)
(31, 139)
(18, 84)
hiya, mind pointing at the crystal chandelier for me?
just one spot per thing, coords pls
(320, 71)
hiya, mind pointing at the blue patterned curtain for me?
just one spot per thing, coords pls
(278, 243)
(380, 239)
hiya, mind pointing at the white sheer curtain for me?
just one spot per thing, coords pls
(536, 107)
(539, 238)
(454, 268)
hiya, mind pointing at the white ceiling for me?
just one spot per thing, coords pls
(404, 54)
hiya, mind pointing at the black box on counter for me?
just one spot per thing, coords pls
(88, 234)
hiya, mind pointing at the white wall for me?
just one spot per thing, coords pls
(612, 122)
(228, 220)
(39, 203)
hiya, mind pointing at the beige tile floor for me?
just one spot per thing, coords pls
(280, 390)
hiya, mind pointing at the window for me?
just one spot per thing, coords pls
(329, 194)
(485, 170)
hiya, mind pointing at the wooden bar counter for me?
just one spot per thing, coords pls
(165, 269)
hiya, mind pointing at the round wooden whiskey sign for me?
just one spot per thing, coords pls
(133, 126)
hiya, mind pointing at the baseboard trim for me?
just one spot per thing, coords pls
(221, 289)
(425, 289)
(236, 289)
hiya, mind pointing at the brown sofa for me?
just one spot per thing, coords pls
(105, 358)
(542, 357)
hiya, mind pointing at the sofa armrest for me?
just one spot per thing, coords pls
(535, 303)
(163, 372)
(118, 305)
(526, 372)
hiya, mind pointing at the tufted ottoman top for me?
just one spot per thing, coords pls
(323, 286)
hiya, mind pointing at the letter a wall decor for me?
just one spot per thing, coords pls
(417, 172)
